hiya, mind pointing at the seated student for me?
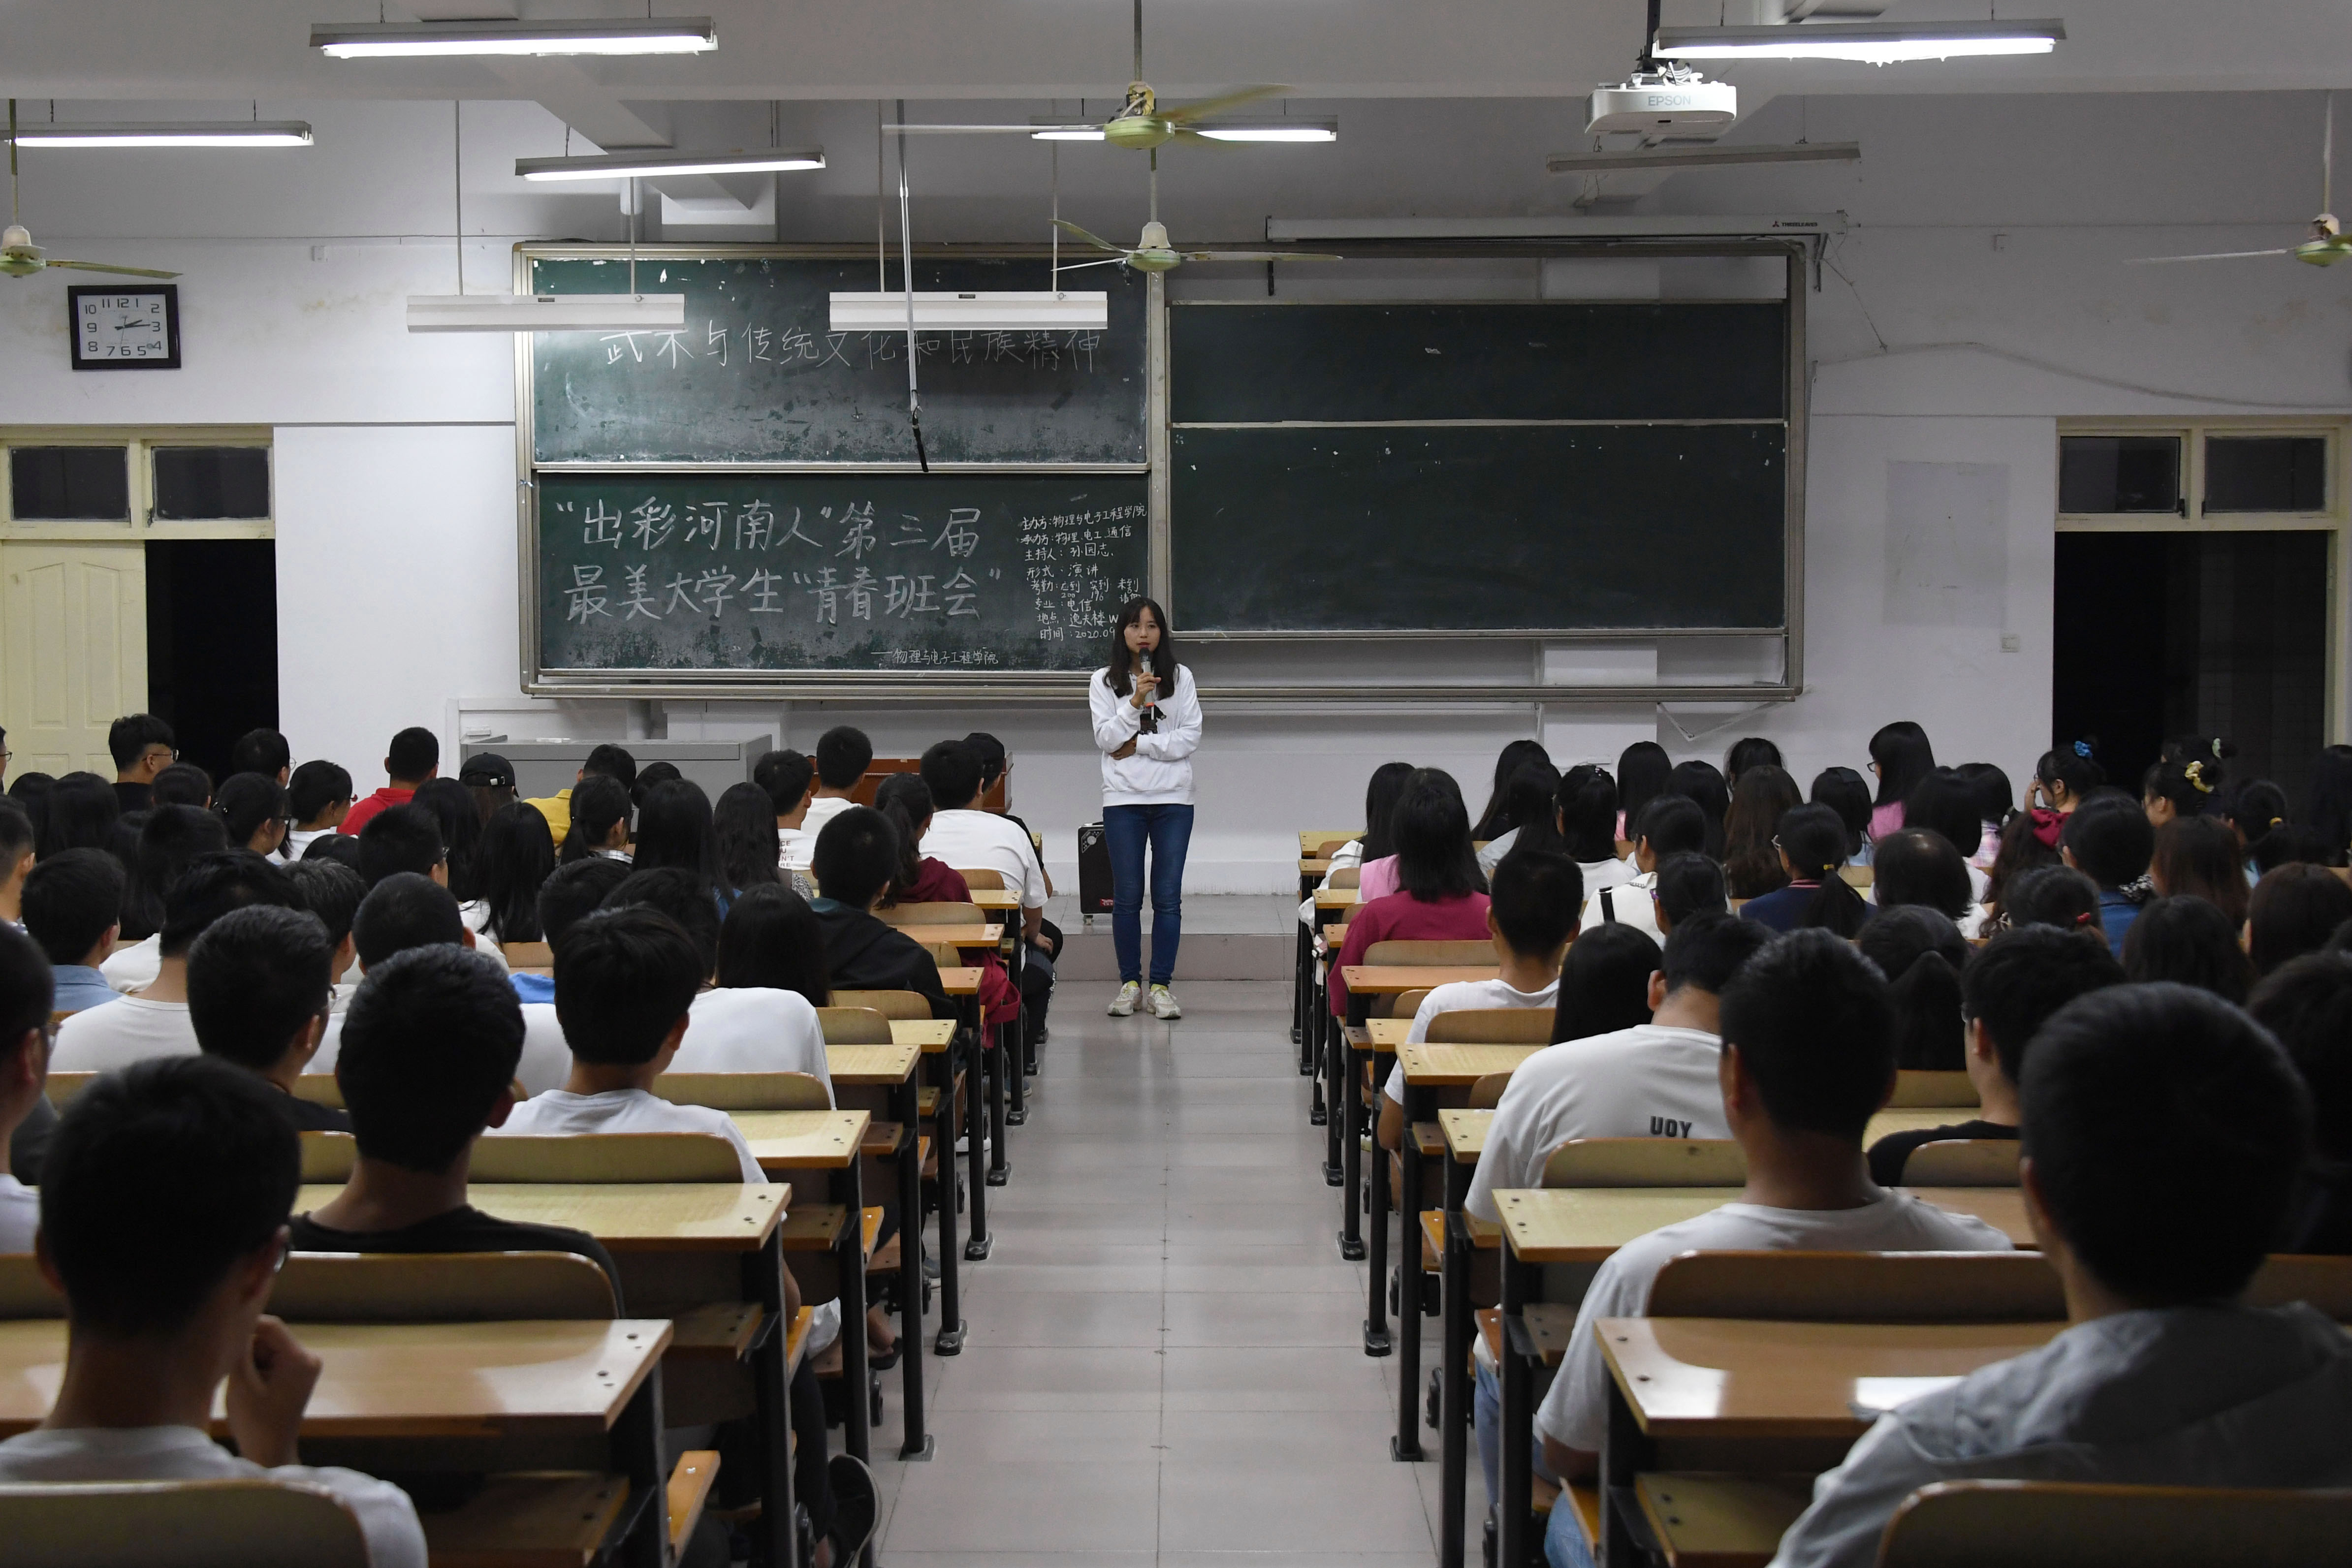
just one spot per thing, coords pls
(843, 753)
(2306, 1003)
(2007, 993)
(25, 998)
(344, 851)
(1947, 804)
(2163, 1132)
(602, 821)
(333, 893)
(2049, 896)
(164, 1222)
(2294, 910)
(1922, 956)
(2188, 940)
(513, 860)
(258, 991)
(963, 837)
(1669, 825)
(153, 1020)
(183, 784)
(141, 747)
(1688, 883)
(1604, 984)
(2108, 840)
(262, 751)
(1585, 808)
(1842, 790)
(742, 1028)
(15, 861)
(606, 761)
(571, 892)
(1805, 1062)
(491, 779)
(1811, 842)
(2201, 857)
(318, 799)
(414, 757)
(770, 937)
(253, 808)
(406, 911)
(1531, 920)
(751, 853)
(1440, 896)
(906, 800)
(1918, 867)
(407, 839)
(1527, 810)
(1762, 801)
(856, 855)
(73, 902)
(166, 843)
(1378, 843)
(789, 780)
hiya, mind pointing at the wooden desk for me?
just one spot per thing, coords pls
(874, 1066)
(668, 1218)
(1336, 898)
(959, 982)
(1465, 1133)
(933, 1035)
(1311, 840)
(1458, 1066)
(805, 1140)
(985, 938)
(996, 898)
(1393, 979)
(883, 1077)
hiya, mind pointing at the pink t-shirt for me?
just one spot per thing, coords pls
(1400, 917)
(1886, 820)
(1378, 879)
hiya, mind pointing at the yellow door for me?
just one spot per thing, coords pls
(73, 651)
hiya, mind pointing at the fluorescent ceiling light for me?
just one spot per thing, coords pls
(642, 35)
(1702, 157)
(652, 160)
(199, 133)
(1871, 43)
(546, 312)
(1064, 130)
(1269, 129)
(994, 311)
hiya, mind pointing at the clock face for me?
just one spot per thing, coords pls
(135, 328)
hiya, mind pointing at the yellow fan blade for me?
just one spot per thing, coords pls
(1066, 227)
(1184, 112)
(1192, 137)
(101, 266)
(1258, 256)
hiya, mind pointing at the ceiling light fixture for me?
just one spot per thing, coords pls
(655, 161)
(1069, 311)
(643, 36)
(1871, 43)
(1064, 130)
(1269, 129)
(201, 133)
(546, 312)
(1701, 157)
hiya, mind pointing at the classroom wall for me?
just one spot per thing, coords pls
(1943, 363)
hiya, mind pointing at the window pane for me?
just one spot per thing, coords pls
(212, 482)
(71, 482)
(2265, 473)
(2118, 473)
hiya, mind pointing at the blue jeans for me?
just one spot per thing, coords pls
(1168, 830)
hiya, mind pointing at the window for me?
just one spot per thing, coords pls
(204, 481)
(128, 482)
(2265, 473)
(2108, 474)
(75, 483)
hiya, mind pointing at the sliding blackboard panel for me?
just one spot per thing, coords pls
(899, 572)
(1479, 528)
(758, 376)
(1417, 364)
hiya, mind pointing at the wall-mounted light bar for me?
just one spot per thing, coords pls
(652, 160)
(1701, 157)
(546, 312)
(1269, 129)
(200, 133)
(989, 311)
(641, 36)
(1871, 43)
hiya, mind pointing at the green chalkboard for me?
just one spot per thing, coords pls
(978, 574)
(1478, 528)
(758, 376)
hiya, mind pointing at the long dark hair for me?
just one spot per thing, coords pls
(1701, 783)
(247, 802)
(513, 860)
(1161, 659)
(1435, 860)
(1604, 983)
(597, 803)
(2257, 808)
(674, 829)
(2020, 853)
(1765, 794)
(906, 801)
(1841, 790)
(1754, 751)
(1587, 803)
(1527, 801)
(171, 838)
(31, 792)
(1381, 797)
(744, 823)
(1814, 840)
(1643, 769)
(460, 821)
(2073, 766)
(1922, 955)
(2197, 857)
(83, 809)
(1948, 803)
(2188, 940)
(1495, 820)
(771, 938)
(1903, 758)
(1996, 802)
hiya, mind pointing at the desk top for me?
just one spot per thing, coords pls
(883, 1065)
(409, 1380)
(959, 982)
(1465, 1133)
(955, 936)
(1003, 898)
(803, 1140)
(934, 1035)
(1585, 1225)
(630, 1216)
(1309, 865)
(1313, 839)
(1335, 898)
(1389, 979)
(1456, 1065)
(1729, 1377)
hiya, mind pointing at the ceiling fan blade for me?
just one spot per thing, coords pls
(101, 266)
(1096, 240)
(1118, 260)
(1259, 256)
(1185, 112)
(1195, 139)
(2214, 255)
(990, 129)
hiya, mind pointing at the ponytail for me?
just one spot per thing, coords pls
(1836, 907)
(1814, 840)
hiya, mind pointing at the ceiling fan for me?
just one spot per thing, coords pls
(1154, 252)
(20, 257)
(2328, 243)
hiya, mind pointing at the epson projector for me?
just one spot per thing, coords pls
(1655, 104)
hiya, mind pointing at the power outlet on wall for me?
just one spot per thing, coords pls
(2011, 642)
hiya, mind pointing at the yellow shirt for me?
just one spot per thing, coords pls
(556, 810)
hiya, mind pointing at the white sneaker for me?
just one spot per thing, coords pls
(1123, 1005)
(1161, 1005)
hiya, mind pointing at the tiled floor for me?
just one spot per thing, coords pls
(1165, 1363)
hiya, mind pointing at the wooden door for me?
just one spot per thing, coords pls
(73, 651)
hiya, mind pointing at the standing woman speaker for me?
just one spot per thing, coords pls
(1148, 725)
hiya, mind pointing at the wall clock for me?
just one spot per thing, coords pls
(125, 329)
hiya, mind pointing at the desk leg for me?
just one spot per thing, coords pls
(1017, 1115)
(849, 1186)
(1376, 1177)
(1453, 1371)
(1335, 1113)
(636, 1447)
(1005, 1063)
(1301, 985)
(1418, 1105)
(1623, 1451)
(1351, 1148)
(1517, 1507)
(905, 1109)
(1319, 1012)
(771, 1390)
(975, 1129)
(943, 1122)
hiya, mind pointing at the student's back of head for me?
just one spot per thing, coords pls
(341, 849)
(1920, 866)
(81, 811)
(2188, 941)
(71, 901)
(1643, 769)
(2163, 1132)
(652, 776)
(256, 977)
(770, 937)
(1749, 751)
(2021, 978)
(1689, 883)
(674, 829)
(743, 829)
(170, 841)
(856, 854)
(1704, 952)
(262, 751)
(331, 890)
(841, 754)
(906, 800)
(1923, 956)
(216, 883)
(1528, 805)
(1843, 791)
(2306, 1003)
(316, 789)
(400, 839)
(2294, 910)
(2199, 857)
(688, 899)
(27, 992)
(413, 757)
(2109, 838)
(624, 980)
(1813, 837)
(161, 1178)
(1702, 784)
(613, 762)
(1604, 982)
(513, 862)
(2051, 895)
(459, 821)
(598, 805)
(575, 890)
(785, 776)
(951, 772)
(1435, 857)
(991, 752)
(18, 838)
(1586, 802)
(183, 784)
(1810, 1019)
(1535, 898)
(1671, 824)
(128, 739)
(405, 911)
(1381, 793)
(1495, 820)
(246, 804)
(1944, 802)
(429, 1048)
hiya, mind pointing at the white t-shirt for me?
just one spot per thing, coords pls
(1611, 873)
(476, 916)
(821, 810)
(134, 968)
(1461, 995)
(123, 1032)
(1632, 902)
(20, 1215)
(546, 1058)
(1576, 1410)
(1496, 848)
(387, 1519)
(1646, 1082)
(300, 839)
(991, 842)
(753, 1029)
(559, 1113)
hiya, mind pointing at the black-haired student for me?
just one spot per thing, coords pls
(856, 855)
(743, 1029)
(843, 753)
(414, 757)
(569, 893)
(162, 847)
(183, 784)
(2188, 940)
(142, 745)
(333, 893)
(2108, 839)
(790, 780)
(606, 761)
(403, 838)
(252, 806)
(25, 997)
(1440, 895)
(262, 751)
(1812, 840)
(1669, 825)
(16, 837)
(2294, 910)
(153, 1020)
(1688, 884)
(1585, 809)
(1805, 1062)
(2007, 993)
(967, 837)
(318, 799)
(2306, 1003)
(164, 1221)
(73, 904)
(2163, 1135)
(258, 983)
